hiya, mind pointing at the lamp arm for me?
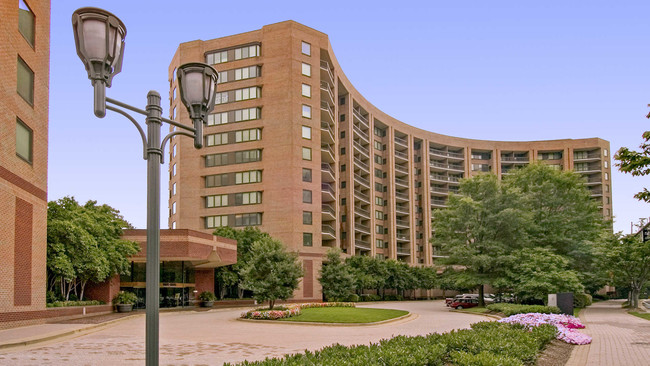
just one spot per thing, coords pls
(136, 124)
(167, 138)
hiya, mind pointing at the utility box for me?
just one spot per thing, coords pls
(563, 300)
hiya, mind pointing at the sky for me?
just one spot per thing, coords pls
(497, 70)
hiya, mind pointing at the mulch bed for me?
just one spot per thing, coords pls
(556, 353)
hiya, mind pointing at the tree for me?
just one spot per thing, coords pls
(628, 260)
(563, 216)
(636, 163)
(271, 272)
(533, 273)
(335, 277)
(231, 275)
(84, 245)
(477, 230)
(368, 273)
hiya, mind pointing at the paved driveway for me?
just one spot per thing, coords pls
(214, 337)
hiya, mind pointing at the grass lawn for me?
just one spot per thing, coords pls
(476, 310)
(576, 311)
(345, 315)
(645, 316)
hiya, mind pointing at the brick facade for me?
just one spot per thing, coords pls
(23, 183)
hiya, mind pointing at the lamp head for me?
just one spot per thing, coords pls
(198, 84)
(99, 39)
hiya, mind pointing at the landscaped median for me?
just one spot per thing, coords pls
(332, 312)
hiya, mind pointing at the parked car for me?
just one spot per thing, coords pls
(464, 303)
(488, 298)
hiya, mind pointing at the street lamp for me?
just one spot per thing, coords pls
(99, 39)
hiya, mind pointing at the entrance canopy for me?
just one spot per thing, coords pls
(201, 249)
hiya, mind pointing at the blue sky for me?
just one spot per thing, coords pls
(499, 70)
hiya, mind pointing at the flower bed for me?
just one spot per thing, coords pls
(512, 309)
(290, 310)
(566, 325)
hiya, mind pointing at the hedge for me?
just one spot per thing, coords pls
(512, 309)
(487, 343)
(61, 304)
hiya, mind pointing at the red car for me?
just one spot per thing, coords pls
(464, 303)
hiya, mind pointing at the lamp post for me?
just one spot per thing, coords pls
(99, 39)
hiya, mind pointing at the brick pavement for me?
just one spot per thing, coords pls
(618, 338)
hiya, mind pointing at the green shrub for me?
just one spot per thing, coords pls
(353, 298)
(487, 343)
(61, 304)
(512, 309)
(369, 297)
(125, 297)
(581, 300)
(393, 298)
(207, 296)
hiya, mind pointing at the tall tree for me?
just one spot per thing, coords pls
(479, 227)
(84, 244)
(628, 260)
(335, 277)
(271, 272)
(636, 163)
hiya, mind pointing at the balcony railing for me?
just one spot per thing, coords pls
(438, 202)
(401, 154)
(590, 156)
(362, 244)
(328, 150)
(446, 153)
(402, 195)
(402, 209)
(521, 159)
(326, 87)
(402, 182)
(329, 209)
(360, 132)
(362, 211)
(361, 195)
(361, 148)
(402, 237)
(403, 251)
(401, 169)
(324, 65)
(362, 118)
(403, 223)
(444, 178)
(360, 163)
(327, 168)
(325, 106)
(326, 127)
(401, 140)
(326, 187)
(361, 227)
(362, 180)
(446, 166)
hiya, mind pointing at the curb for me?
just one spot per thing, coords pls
(493, 316)
(54, 335)
(406, 317)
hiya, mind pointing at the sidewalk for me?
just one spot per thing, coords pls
(40, 333)
(618, 338)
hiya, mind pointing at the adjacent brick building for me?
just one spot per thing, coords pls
(24, 93)
(294, 148)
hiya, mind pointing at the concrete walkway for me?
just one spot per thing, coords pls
(216, 336)
(618, 338)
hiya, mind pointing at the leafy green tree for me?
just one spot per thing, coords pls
(84, 245)
(231, 275)
(368, 273)
(478, 229)
(335, 277)
(563, 216)
(628, 260)
(533, 273)
(636, 163)
(271, 272)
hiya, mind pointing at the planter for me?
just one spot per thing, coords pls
(207, 304)
(124, 308)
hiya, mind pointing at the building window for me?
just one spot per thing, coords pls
(306, 175)
(24, 141)
(306, 69)
(173, 189)
(25, 85)
(342, 167)
(606, 176)
(379, 201)
(306, 153)
(306, 132)
(173, 224)
(248, 219)
(248, 156)
(343, 184)
(252, 134)
(173, 170)
(378, 145)
(251, 176)
(342, 134)
(607, 188)
(604, 152)
(342, 151)
(342, 118)
(248, 198)
(306, 111)
(379, 229)
(306, 48)
(307, 239)
(239, 115)
(343, 201)
(173, 208)
(216, 139)
(378, 159)
(306, 196)
(306, 218)
(605, 164)
(26, 22)
(379, 187)
(380, 243)
(216, 180)
(238, 95)
(216, 221)
(379, 173)
(234, 54)
(219, 200)
(248, 72)
(306, 90)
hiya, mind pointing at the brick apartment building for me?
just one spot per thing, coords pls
(24, 93)
(293, 148)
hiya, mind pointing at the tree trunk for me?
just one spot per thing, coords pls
(481, 300)
(240, 292)
(83, 287)
(271, 304)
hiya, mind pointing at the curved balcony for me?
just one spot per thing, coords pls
(328, 212)
(327, 133)
(446, 154)
(361, 244)
(327, 192)
(362, 228)
(327, 153)
(328, 232)
(327, 173)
